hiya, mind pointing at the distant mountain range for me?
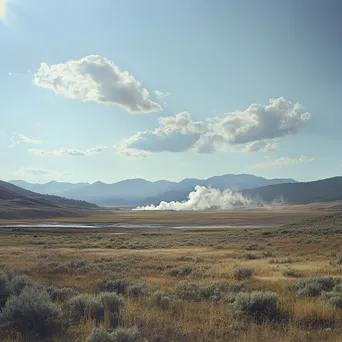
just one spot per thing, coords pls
(16, 202)
(138, 192)
(133, 192)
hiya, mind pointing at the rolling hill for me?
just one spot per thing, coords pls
(324, 190)
(16, 202)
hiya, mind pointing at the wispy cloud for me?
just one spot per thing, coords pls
(261, 146)
(283, 161)
(36, 172)
(68, 152)
(95, 78)
(17, 139)
(159, 94)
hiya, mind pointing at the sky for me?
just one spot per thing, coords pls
(109, 90)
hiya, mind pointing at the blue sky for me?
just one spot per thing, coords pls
(107, 90)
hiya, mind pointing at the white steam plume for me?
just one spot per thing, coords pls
(203, 198)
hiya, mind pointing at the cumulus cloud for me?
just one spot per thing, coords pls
(17, 139)
(159, 94)
(95, 78)
(254, 130)
(283, 161)
(276, 119)
(203, 198)
(175, 134)
(68, 152)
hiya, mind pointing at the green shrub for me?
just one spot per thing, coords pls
(126, 335)
(19, 282)
(5, 289)
(257, 305)
(9, 272)
(161, 300)
(138, 290)
(99, 335)
(214, 291)
(334, 297)
(315, 286)
(79, 306)
(292, 273)
(118, 285)
(118, 335)
(112, 304)
(187, 290)
(31, 313)
(95, 306)
(180, 271)
(60, 294)
(242, 273)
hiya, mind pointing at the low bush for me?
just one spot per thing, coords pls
(118, 335)
(31, 313)
(138, 290)
(99, 335)
(334, 297)
(79, 306)
(126, 335)
(257, 305)
(187, 290)
(60, 294)
(180, 271)
(315, 286)
(118, 285)
(242, 273)
(161, 301)
(213, 291)
(292, 273)
(19, 282)
(5, 289)
(96, 306)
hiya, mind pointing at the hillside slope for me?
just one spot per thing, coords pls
(300, 193)
(17, 203)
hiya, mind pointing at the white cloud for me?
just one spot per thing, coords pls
(95, 78)
(253, 130)
(283, 161)
(68, 152)
(277, 119)
(159, 94)
(175, 134)
(260, 146)
(17, 139)
(34, 172)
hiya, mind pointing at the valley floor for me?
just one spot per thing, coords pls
(187, 284)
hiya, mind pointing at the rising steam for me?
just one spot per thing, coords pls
(203, 198)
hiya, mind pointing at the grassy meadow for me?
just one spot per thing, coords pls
(274, 283)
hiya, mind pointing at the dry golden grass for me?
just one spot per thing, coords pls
(148, 254)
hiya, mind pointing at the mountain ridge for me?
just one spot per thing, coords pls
(138, 190)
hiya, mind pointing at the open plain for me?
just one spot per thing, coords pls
(186, 276)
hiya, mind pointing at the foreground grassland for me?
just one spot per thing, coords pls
(274, 283)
